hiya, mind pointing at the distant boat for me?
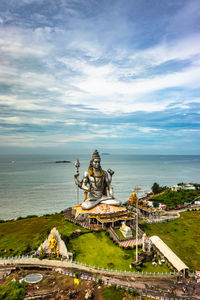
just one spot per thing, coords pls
(105, 153)
(63, 162)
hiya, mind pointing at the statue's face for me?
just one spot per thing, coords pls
(96, 163)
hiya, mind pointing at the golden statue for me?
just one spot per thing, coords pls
(58, 252)
(41, 250)
(133, 198)
(52, 244)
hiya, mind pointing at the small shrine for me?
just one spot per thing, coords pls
(54, 246)
(126, 231)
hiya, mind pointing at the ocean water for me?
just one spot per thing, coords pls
(35, 184)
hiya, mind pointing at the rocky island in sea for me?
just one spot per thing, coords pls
(63, 162)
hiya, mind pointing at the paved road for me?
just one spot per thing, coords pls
(65, 264)
(165, 287)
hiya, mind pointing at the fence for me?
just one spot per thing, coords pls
(127, 272)
(77, 222)
(114, 235)
(76, 263)
(140, 231)
(162, 220)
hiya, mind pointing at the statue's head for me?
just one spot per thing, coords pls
(95, 161)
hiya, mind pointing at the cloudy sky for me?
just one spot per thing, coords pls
(122, 76)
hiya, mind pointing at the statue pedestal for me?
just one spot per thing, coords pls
(103, 215)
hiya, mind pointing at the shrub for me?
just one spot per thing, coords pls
(100, 281)
(111, 265)
(113, 286)
(134, 293)
(13, 291)
(76, 274)
(31, 216)
(138, 268)
(126, 256)
(42, 256)
(128, 248)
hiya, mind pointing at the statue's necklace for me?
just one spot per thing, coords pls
(91, 172)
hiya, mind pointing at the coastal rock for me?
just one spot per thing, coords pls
(60, 243)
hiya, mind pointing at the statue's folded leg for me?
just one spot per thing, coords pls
(88, 204)
(112, 202)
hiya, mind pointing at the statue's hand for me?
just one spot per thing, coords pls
(111, 172)
(76, 175)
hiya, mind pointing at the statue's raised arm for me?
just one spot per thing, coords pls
(97, 183)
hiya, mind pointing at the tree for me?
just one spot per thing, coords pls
(155, 188)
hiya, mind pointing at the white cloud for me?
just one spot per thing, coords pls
(109, 87)
(26, 120)
(184, 49)
(62, 74)
(32, 105)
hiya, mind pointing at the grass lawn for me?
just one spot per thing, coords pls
(111, 293)
(96, 249)
(182, 236)
(22, 236)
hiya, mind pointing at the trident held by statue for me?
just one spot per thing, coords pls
(77, 165)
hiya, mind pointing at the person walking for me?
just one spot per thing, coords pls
(194, 290)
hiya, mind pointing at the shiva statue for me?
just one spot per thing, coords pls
(97, 183)
(52, 244)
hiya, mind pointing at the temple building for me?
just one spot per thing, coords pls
(104, 214)
(144, 208)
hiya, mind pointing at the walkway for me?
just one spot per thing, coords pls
(72, 265)
(130, 243)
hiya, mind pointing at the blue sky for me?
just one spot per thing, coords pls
(119, 76)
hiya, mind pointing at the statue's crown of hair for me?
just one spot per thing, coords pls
(95, 155)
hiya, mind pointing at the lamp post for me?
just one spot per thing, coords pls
(77, 165)
(136, 230)
(136, 188)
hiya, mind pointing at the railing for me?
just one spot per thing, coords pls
(83, 224)
(140, 231)
(116, 238)
(162, 220)
(114, 235)
(98, 268)
(128, 272)
(16, 257)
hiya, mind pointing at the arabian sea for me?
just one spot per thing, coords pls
(35, 184)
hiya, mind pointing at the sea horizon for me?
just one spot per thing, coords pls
(33, 184)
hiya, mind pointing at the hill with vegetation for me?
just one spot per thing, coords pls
(19, 237)
(95, 248)
(181, 235)
(173, 199)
